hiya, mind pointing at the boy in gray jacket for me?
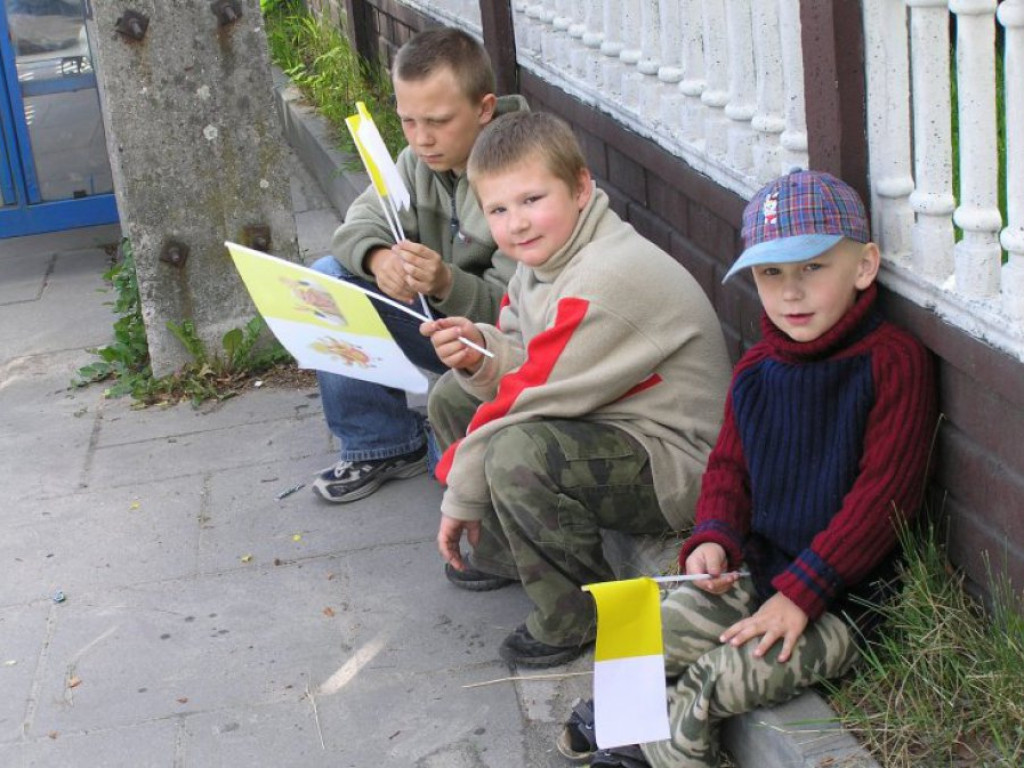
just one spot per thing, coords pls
(444, 90)
(599, 407)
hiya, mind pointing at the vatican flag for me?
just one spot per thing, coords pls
(630, 706)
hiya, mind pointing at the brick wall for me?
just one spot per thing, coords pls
(977, 490)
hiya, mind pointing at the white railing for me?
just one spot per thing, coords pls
(717, 82)
(453, 13)
(911, 139)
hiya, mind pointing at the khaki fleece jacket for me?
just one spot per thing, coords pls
(612, 330)
(480, 271)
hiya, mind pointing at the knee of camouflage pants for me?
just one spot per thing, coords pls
(728, 681)
(450, 409)
(554, 485)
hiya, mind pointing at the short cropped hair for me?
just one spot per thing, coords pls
(512, 138)
(430, 51)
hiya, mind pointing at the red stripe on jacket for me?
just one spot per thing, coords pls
(651, 381)
(542, 353)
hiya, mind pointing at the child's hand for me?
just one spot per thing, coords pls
(423, 270)
(779, 617)
(388, 270)
(711, 558)
(449, 538)
(444, 334)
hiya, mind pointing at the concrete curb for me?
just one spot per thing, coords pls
(803, 733)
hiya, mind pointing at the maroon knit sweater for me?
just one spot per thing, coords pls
(824, 447)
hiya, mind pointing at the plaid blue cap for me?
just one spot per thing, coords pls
(797, 217)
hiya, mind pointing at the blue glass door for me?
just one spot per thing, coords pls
(54, 171)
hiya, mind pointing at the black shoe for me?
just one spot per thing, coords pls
(353, 480)
(523, 649)
(473, 580)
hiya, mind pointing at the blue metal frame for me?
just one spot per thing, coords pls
(23, 212)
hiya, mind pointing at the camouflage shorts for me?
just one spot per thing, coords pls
(710, 681)
(554, 485)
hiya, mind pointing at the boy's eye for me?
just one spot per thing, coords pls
(770, 271)
(813, 266)
(533, 199)
(496, 210)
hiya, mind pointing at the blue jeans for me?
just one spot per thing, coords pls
(372, 421)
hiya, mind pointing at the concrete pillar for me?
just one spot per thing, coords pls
(198, 157)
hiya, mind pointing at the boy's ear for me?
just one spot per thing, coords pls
(869, 261)
(488, 104)
(584, 188)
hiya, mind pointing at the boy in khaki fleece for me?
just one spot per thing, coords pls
(599, 407)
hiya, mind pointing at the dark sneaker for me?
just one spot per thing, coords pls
(353, 480)
(523, 649)
(473, 580)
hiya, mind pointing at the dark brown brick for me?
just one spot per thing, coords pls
(650, 226)
(980, 482)
(667, 202)
(698, 263)
(628, 175)
(594, 152)
(979, 550)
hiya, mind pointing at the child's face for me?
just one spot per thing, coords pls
(440, 122)
(531, 212)
(806, 298)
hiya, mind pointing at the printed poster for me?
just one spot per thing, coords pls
(326, 324)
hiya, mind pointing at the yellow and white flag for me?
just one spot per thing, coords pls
(630, 706)
(325, 323)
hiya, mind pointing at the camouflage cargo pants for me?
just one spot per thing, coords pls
(554, 484)
(710, 681)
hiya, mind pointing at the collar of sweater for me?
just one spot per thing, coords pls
(582, 235)
(857, 323)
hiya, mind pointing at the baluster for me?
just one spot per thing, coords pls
(716, 93)
(611, 47)
(593, 39)
(742, 80)
(630, 54)
(1011, 15)
(670, 73)
(521, 22)
(560, 31)
(768, 121)
(693, 83)
(533, 13)
(887, 84)
(932, 200)
(794, 137)
(650, 61)
(577, 28)
(548, 38)
(977, 256)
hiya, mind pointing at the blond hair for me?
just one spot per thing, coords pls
(430, 51)
(512, 138)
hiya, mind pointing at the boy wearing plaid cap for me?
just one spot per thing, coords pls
(823, 451)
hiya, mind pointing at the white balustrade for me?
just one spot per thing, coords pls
(693, 83)
(888, 115)
(977, 255)
(932, 200)
(1011, 16)
(668, 98)
(612, 47)
(630, 54)
(716, 71)
(794, 137)
(742, 83)
(650, 62)
(768, 121)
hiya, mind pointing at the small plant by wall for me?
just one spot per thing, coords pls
(246, 352)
